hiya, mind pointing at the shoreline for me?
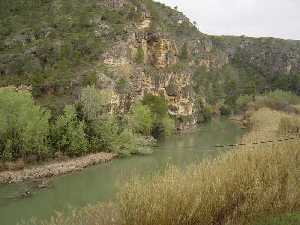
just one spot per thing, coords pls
(55, 168)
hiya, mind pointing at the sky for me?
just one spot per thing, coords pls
(257, 18)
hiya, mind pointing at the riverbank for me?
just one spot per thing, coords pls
(252, 181)
(55, 168)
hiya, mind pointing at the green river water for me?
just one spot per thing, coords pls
(101, 183)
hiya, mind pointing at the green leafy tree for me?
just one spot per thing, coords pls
(24, 126)
(141, 119)
(104, 131)
(157, 105)
(68, 133)
(163, 125)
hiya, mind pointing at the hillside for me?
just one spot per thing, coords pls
(133, 48)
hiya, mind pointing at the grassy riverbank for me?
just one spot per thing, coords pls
(240, 187)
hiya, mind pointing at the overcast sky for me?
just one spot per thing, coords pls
(276, 18)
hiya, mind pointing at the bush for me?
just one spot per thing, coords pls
(163, 123)
(104, 132)
(157, 105)
(278, 100)
(94, 102)
(68, 134)
(108, 135)
(207, 113)
(225, 110)
(243, 102)
(168, 125)
(24, 126)
(141, 119)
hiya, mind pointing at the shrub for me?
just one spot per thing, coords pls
(243, 102)
(68, 133)
(207, 113)
(104, 132)
(163, 123)
(225, 110)
(278, 100)
(168, 125)
(157, 105)
(24, 126)
(108, 135)
(141, 119)
(94, 102)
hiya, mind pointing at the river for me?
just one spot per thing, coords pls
(101, 183)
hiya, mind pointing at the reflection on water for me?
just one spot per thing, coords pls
(100, 183)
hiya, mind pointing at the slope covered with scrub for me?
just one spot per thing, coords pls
(134, 47)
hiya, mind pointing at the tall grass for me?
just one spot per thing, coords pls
(233, 189)
(100, 214)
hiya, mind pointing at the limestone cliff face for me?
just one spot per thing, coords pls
(152, 76)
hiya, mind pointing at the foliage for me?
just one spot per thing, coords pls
(68, 134)
(94, 102)
(157, 105)
(231, 94)
(278, 99)
(141, 119)
(243, 101)
(107, 134)
(162, 123)
(54, 37)
(168, 125)
(24, 126)
(103, 133)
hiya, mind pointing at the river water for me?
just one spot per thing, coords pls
(101, 183)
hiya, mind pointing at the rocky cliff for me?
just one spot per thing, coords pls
(132, 48)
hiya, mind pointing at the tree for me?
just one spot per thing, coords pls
(141, 119)
(24, 126)
(232, 94)
(163, 125)
(68, 133)
(156, 104)
(94, 102)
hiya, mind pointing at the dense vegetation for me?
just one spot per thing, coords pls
(45, 42)
(27, 131)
